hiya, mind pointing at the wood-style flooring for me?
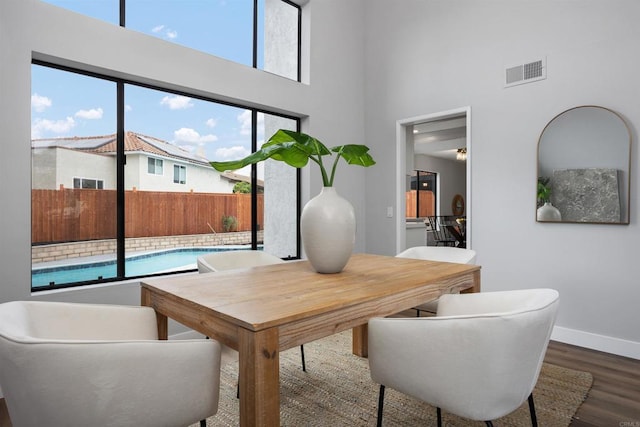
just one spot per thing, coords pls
(613, 401)
(614, 398)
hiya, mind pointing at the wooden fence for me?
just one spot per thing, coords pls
(80, 214)
(427, 203)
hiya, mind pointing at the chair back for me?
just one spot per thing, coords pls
(440, 253)
(72, 364)
(479, 358)
(229, 260)
(437, 225)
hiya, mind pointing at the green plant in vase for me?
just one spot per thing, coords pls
(327, 223)
(544, 191)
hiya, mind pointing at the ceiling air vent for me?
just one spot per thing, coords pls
(526, 73)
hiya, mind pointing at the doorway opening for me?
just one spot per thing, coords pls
(441, 143)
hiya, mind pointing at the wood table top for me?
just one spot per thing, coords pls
(252, 298)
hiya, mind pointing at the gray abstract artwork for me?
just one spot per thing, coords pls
(586, 195)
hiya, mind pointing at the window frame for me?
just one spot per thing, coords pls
(179, 169)
(99, 183)
(120, 173)
(434, 190)
(158, 164)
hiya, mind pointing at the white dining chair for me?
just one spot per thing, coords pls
(438, 253)
(478, 358)
(230, 259)
(71, 364)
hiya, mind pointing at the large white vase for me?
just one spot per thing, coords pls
(328, 229)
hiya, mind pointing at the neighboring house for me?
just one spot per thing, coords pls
(151, 165)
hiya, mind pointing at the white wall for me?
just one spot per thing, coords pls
(332, 95)
(435, 55)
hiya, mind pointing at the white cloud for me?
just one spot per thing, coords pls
(166, 33)
(42, 126)
(231, 153)
(40, 103)
(245, 123)
(128, 107)
(93, 114)
(212, 123)
(191, 137)
(177, 102)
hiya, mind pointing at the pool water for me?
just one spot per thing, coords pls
(181, 259)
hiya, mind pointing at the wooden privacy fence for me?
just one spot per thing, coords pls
(80, 214)
(427, 204)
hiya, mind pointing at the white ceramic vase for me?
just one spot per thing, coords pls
(548, 212)
(328, 229)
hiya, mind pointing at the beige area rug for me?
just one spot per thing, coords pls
(337, 390)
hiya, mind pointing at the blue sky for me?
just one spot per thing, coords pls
(66, 104)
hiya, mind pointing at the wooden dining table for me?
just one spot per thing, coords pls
(261, 311)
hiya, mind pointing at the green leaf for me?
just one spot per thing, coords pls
(296, 148)
(355, 154)
(304, 142)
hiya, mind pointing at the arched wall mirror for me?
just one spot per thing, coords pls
(584, 163)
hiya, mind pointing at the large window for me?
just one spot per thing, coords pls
(123, 135)
(421, 195)
(263, 34)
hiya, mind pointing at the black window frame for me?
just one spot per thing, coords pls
(123, 21)
(120, 172)
(415, 185)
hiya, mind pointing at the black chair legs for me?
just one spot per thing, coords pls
(532, 411)
(203, 423)
(380, 404)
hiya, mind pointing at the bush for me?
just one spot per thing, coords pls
(229, 223)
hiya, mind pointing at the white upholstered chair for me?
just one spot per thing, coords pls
(228, 260)
(67, 364)
(438, 253)
(479, 358)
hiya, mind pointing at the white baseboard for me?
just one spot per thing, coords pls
(603, 343)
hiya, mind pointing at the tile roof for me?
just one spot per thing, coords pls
(133, 142)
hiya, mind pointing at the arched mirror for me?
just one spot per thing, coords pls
(584, 162)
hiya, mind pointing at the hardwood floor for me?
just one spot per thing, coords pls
(613, 401)
(614, 398)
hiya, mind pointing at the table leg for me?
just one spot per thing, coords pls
(161, 319)
(360, 341)
(259, 378)
(476, 284)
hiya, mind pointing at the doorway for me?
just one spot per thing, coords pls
(435, 138)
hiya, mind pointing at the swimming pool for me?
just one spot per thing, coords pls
(179, 259)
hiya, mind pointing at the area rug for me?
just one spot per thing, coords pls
(337, 390)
